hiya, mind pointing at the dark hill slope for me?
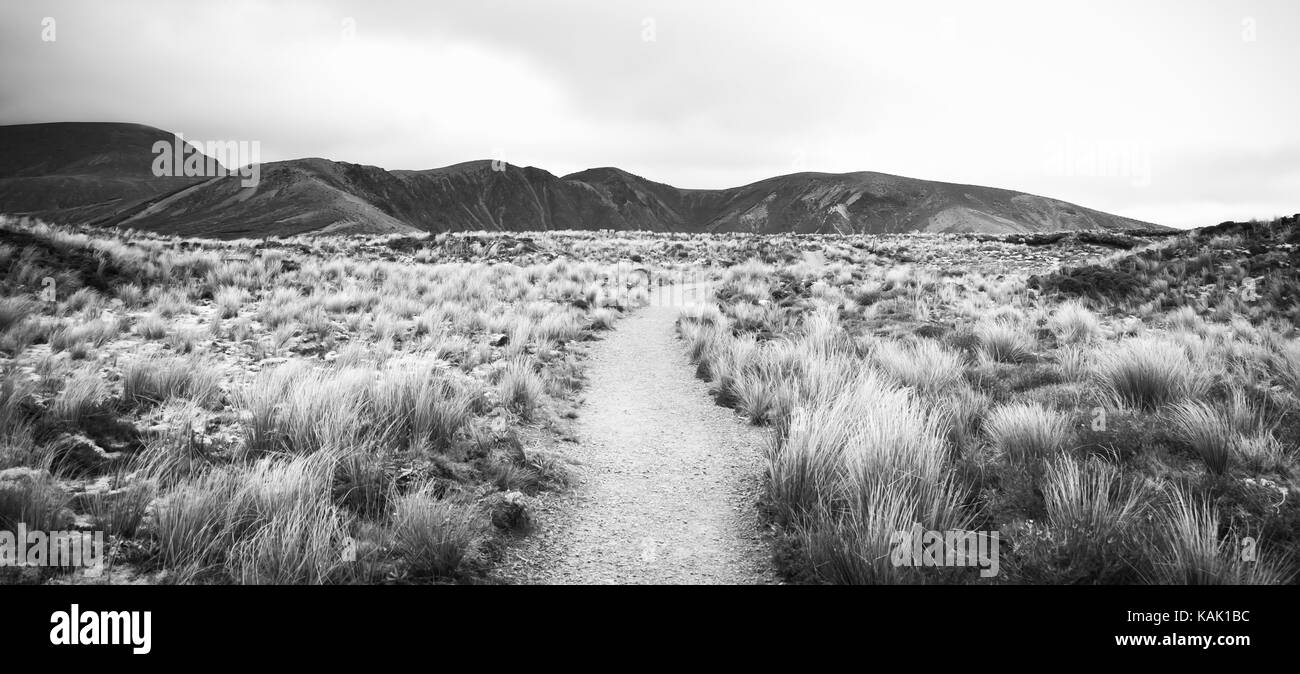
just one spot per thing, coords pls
(100, 173)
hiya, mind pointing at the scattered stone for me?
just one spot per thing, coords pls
(509, 512)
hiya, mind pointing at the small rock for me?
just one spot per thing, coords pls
(509, 511)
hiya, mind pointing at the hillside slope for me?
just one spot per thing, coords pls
(80, 171)
(99, 173)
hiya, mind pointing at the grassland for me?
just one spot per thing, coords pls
(1131, 417)
(247, 411)
(1121, 409)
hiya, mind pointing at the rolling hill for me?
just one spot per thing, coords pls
(99, 173)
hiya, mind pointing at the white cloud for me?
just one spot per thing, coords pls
(727, 92)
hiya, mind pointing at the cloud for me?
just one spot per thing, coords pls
(702, 94)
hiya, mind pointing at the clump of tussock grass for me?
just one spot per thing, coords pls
(728, 360)
(299, 409)
(520, 387)
(1207, 431)
(1027, 432)
(33, 497)
(436, 537)
(923, 364)
(856, 468)
(1075, 362)
(199, 523)
(299, 545)
(229, 299)
(175, 452)
(83, 397)
(28, 331)
(823, 333)
(13, 310)
(151, 381)
(1074, 323)
(1285, 364)
(1004, 342)
(122, 511)
(418, 410)
(1148, 373)
(19, 414)
(169, 302)
(766, 392)
(131, 294)
(962, 411)
(1188, 550)
(1090, 501)
(79, 338)
(701, 314)
(363, 482)
(151, 326)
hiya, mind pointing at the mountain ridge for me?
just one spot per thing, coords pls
(108, 183)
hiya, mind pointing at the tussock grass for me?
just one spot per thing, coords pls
(1090, 501)
(32, 497)
(201, 522)
(1148, 373)
(1074, 323)
(151, 326)
(1188, 550)
(300, 545)
(1027, 432)
(856, 468)
(229, 299)
(84, 336)
(83, 397)
(298, 409)
(1004, 342)
(122, 511)
(13, 310)
(155, 380)
(419, 411)
(520, 387)
(1208, 432)
(923, 364)
(436, 536)
(962, 411)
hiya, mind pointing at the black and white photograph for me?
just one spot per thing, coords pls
(447, 298)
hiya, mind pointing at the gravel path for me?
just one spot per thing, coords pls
(668, 480)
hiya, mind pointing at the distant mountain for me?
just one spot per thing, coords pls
(100, 173)
(79, 171)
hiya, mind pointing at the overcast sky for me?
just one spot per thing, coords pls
(1182, 112)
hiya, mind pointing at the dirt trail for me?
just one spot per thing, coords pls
(668, 479)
